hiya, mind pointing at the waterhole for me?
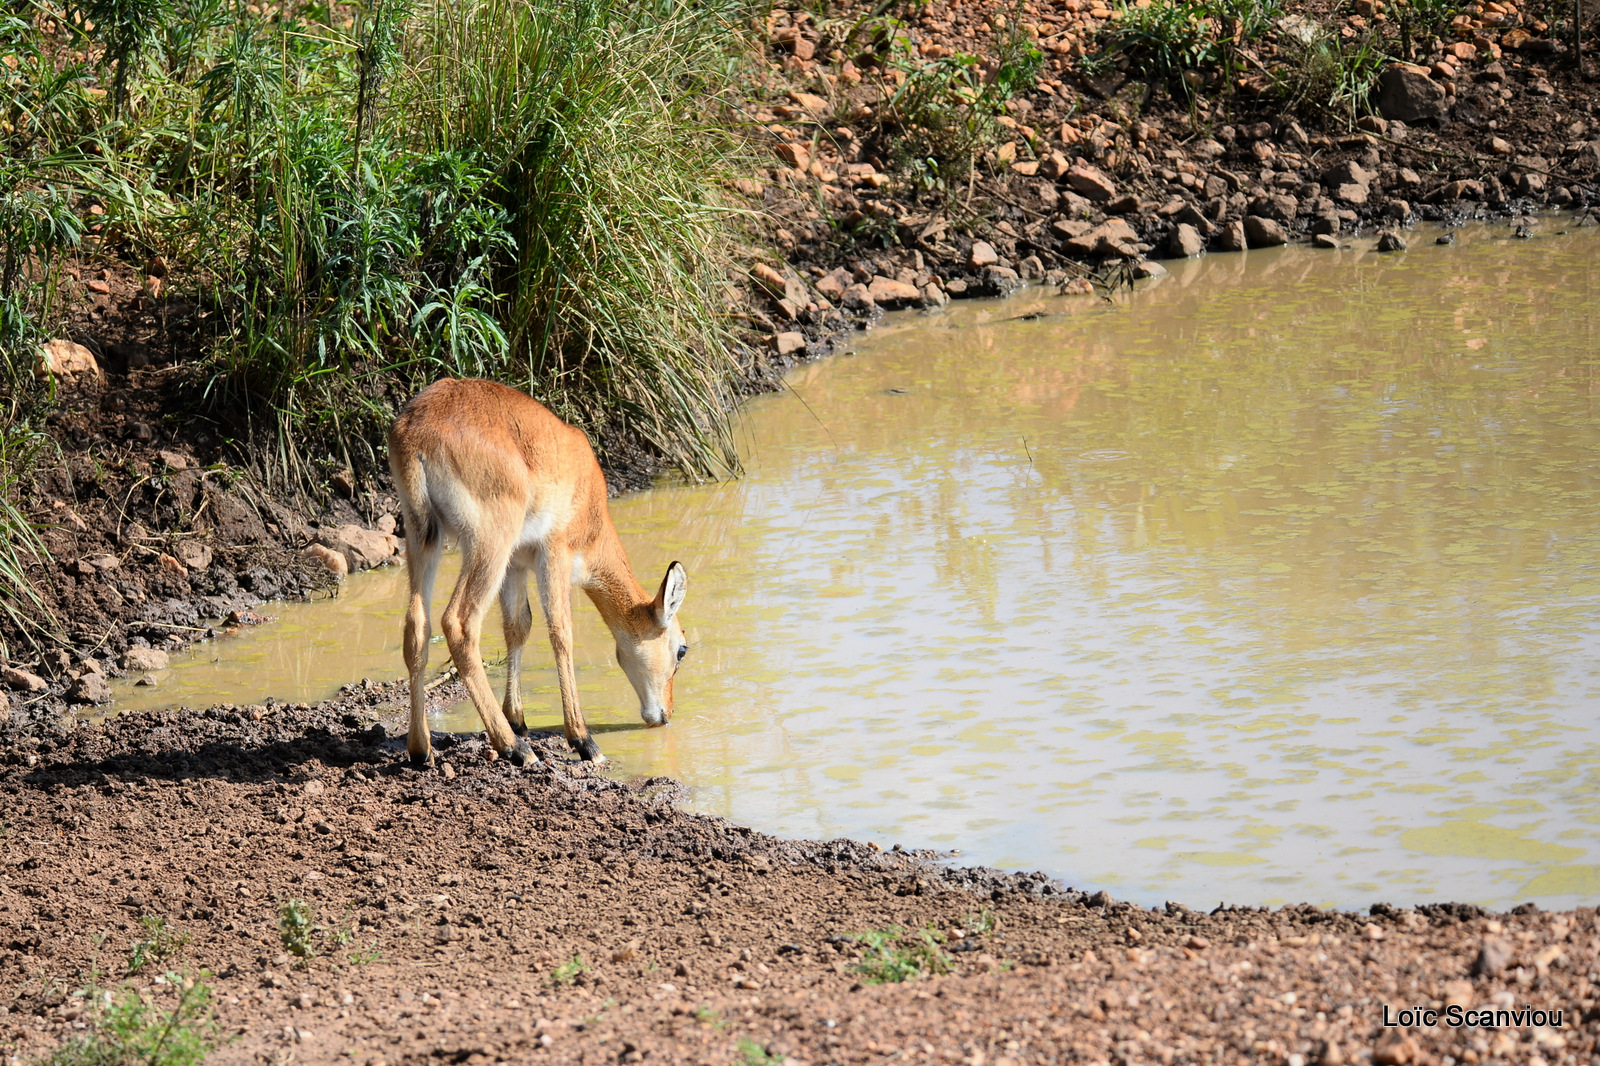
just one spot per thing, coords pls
(1274, 581)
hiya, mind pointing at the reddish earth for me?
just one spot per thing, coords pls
(449, 901)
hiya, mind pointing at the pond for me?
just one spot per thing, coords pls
(1277, 580)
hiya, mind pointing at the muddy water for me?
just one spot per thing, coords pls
(1278, 580)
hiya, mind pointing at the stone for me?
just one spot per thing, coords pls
(1264, 232)
(1399, 210)
(1146, 269)
(194, 555)
(1276, 206)
(386, 523)
(90, 688)
(148, 681)
(892, 295)
(1500, 146)
(797, 156)
(175, 461)
(22, 680)
(101, 563)
(1407, 176)
(1054, 166)
(1373, 124)
(362, 548)
(781, 286)
(982, 255)
(1230, 237)
(333, 561)
(1068, 228)
(1462, 190)
(144, 660)
(1185, 242)
(1405, 92)
(832, 286)
(5, 708)
(1494, 955)
(1391, 241)
(1077, 287)
(64, 359)
(789, 343)
(811, 102)
(1355, 195)
(1091, 183)
(933, 296)
(857, 298)
(1124, 205)
(1531, 185)
(1324, 240)
(1395, 1049)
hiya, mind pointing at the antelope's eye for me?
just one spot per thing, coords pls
(683, 649)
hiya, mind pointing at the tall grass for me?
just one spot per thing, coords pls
(376, 196)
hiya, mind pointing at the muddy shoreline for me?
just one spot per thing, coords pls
(480, 913)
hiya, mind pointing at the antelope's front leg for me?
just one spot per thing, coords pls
(555, 596)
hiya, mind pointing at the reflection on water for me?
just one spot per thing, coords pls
(1275, 581)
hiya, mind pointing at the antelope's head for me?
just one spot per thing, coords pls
(651, 649)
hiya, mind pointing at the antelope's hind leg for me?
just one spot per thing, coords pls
(422, 566)
(554, 571)
(483, 567)
(517, 617)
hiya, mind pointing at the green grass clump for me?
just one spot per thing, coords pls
(126, 1027)
(158, 942)
(752, 1053)
(892, 957)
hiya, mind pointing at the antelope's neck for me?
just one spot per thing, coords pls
(611, 586)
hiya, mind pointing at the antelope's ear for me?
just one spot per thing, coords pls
(670, 597)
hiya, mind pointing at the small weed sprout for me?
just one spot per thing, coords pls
(892, 957)
(568, 971)
(297, 924)
(157, 943)
(754, 1054)
(706, 1016)
(983, 923)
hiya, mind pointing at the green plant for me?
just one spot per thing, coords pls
(943, 112)
(752, 1053)
(983, 923)
(706, 1016)
(1323, 75)
(568, 971)
(891, 957)
(123, 28)
(366, 956)
(1171, 40)
(157, 943)
(127, 1028)
(20, 447)
(297, 926)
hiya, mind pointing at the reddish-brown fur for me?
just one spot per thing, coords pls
(520, 491)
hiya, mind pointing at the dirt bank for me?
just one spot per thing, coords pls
(479, 913)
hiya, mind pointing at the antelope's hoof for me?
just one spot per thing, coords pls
(424, 761)
(520, 728)
(587, 749)
(520, 754)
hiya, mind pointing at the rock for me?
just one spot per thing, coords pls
(1462, 190)
(1407, 176)
(933, 296)
(1531, 185)
(1373, 124)
(143, 660)
(1395, 1049)
(1354, 195)
(797, 156)
(335, 562)
(832, 286)
(90, 688)
(1054, 166)
(1399, 210)
(982, 255)
(1030, 268)
(101, 563)
(1494, 955)
(1146, 269)
(174, 461)
(1091, 183)
(784, 286)
(1407, 93)
(1325, 240)
(5, 708)
(1077, 287)
(811, 102)
(956, 288)
(1391, 241)
(1279, 206)
(1068, 228)
(1230, 237)
(194, 555)
(1124, 205)
(147, 681)
(1185, 242)
(22, 680)
(789, 343)
(893, 295)
(64, 359)
(1112, 238)
(362, 548)
(857, 298)
(1264, 232)
(1500, 146)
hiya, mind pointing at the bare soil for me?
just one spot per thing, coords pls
(481, 913)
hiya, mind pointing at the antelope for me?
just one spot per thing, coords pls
(518, 490)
